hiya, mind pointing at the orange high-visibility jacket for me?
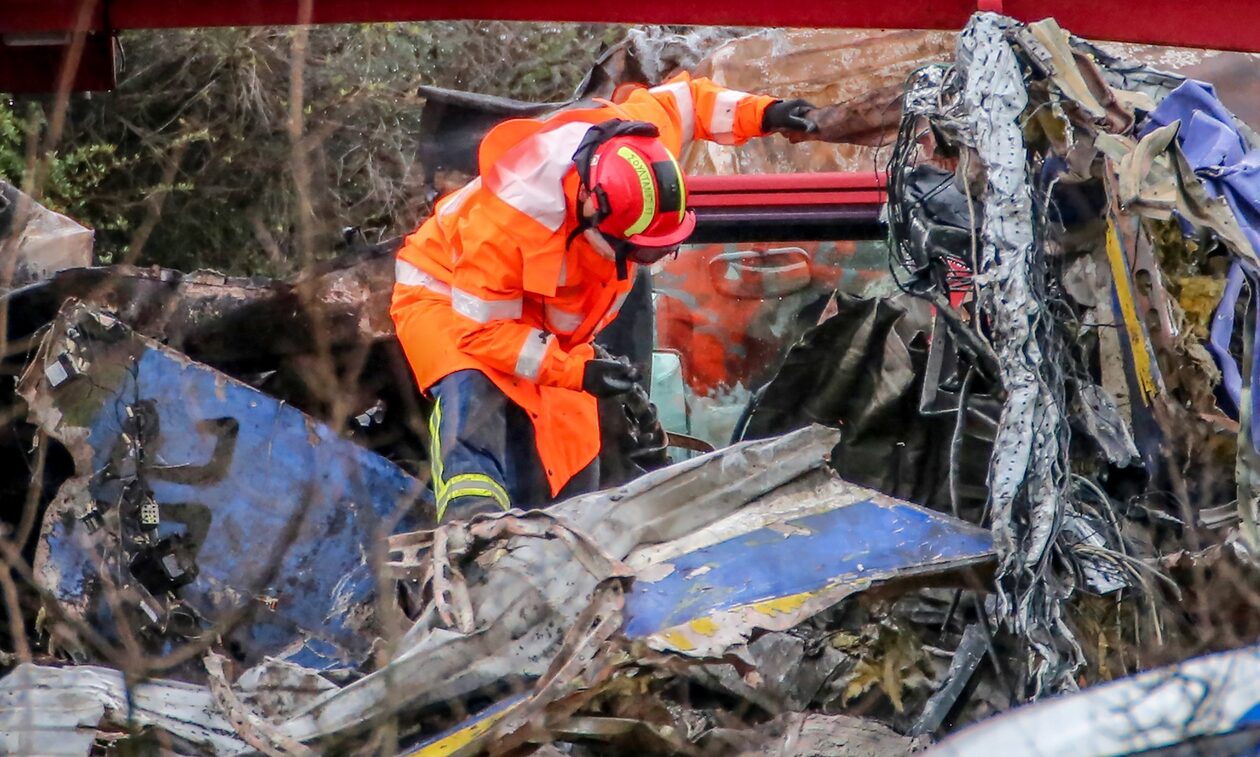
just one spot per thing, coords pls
(487, 282)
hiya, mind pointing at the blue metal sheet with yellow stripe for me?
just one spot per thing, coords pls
(865, 540)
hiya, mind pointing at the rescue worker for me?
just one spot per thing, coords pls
(499, 294)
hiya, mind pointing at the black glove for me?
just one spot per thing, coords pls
(788, 117)
(608, 378)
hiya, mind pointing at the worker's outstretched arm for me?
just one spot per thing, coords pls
(700, 109)
(487, 298)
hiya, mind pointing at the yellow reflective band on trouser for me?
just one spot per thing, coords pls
(645, 185)
(462, 485)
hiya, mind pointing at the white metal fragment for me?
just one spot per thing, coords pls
(57, 711)
(1204, 696)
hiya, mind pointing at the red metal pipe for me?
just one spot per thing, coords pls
(795, 182)
(784, 198)
(1221, 24)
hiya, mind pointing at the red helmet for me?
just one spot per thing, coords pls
(639, 187)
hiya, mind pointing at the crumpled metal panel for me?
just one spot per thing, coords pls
(275, 511)
(527, 595)
(56, 711)
(712, 598)
(1206, 696)
(36, 242)
(1027, 475)
(887, 443)
(770, 564)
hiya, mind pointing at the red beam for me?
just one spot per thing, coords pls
(1220, 24)
(793, 182)
(30, 68)
(783, 198)
(791, 189)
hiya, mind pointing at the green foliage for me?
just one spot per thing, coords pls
(190, 162)
(12, 136)
(69, 176)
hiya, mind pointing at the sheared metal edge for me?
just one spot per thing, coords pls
(1027, 474)
(526, 598)
(971, 649)
(260, 734)
(809, 495)
(1201, 209)
(56, 711)
(1208, 695)
(1155, 178)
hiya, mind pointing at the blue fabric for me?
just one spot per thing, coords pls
(1221, 334)
(1227, 167)
(482, 431)
(1215, 149)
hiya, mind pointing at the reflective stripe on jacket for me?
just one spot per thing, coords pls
(488, 283)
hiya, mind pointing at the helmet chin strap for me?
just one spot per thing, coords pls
(618, 252)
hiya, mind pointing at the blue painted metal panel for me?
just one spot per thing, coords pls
(229, 468)
(869, 539)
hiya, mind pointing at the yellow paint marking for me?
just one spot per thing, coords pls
(783, 605)
(704, 626)
(461, 738)
(1128, 313)
(677, 639)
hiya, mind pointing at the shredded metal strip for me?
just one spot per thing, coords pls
(1028, 472)
(252, 728)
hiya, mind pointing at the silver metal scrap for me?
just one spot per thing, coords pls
(1027, 474)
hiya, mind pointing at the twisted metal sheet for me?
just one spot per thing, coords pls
(1028, 472)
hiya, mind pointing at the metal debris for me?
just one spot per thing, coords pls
(1052, 209)
(1028, 473)
(1209, 705)
(35, 242)
(211, 507)
(59, 711)
(971, 650)
(534, 590)
(705, 603)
